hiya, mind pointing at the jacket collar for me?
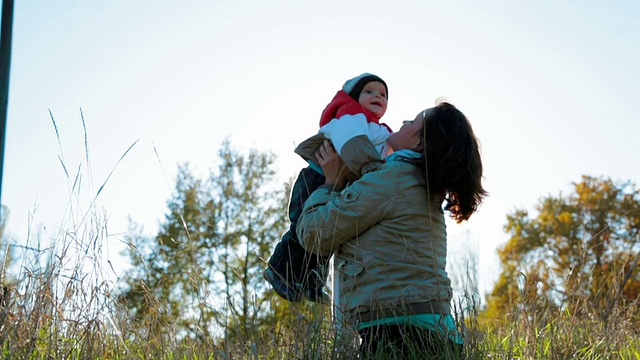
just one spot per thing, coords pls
(404, 153)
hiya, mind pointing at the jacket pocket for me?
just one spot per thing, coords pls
(350, 195)
(349, 271)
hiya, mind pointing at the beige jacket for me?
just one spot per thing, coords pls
(389, 242)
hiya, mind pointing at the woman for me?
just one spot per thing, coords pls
(387, 231)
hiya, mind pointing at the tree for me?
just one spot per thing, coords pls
(251, 215)
(579, 253)
(203, 270)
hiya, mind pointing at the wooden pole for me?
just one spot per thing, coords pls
(5, 64)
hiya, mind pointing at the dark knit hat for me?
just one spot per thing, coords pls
(354, 86)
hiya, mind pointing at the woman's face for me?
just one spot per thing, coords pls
(410, 134)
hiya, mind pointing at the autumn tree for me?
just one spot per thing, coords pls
(579, 252)
(203, 270)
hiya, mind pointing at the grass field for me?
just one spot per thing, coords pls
(59, 305)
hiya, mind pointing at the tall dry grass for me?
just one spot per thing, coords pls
(58, 302)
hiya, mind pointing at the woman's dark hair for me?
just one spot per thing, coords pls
(452, 160)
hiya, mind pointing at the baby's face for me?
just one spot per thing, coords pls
(374, 98)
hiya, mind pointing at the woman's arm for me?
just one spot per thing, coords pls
(331, 218)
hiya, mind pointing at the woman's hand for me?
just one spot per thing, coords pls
(335, 172)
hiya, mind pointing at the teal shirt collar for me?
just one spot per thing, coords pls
(404, 153)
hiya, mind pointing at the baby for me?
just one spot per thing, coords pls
(352, 122)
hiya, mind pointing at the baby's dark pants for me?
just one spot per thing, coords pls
(289, 259)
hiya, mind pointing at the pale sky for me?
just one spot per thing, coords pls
(548, 87)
